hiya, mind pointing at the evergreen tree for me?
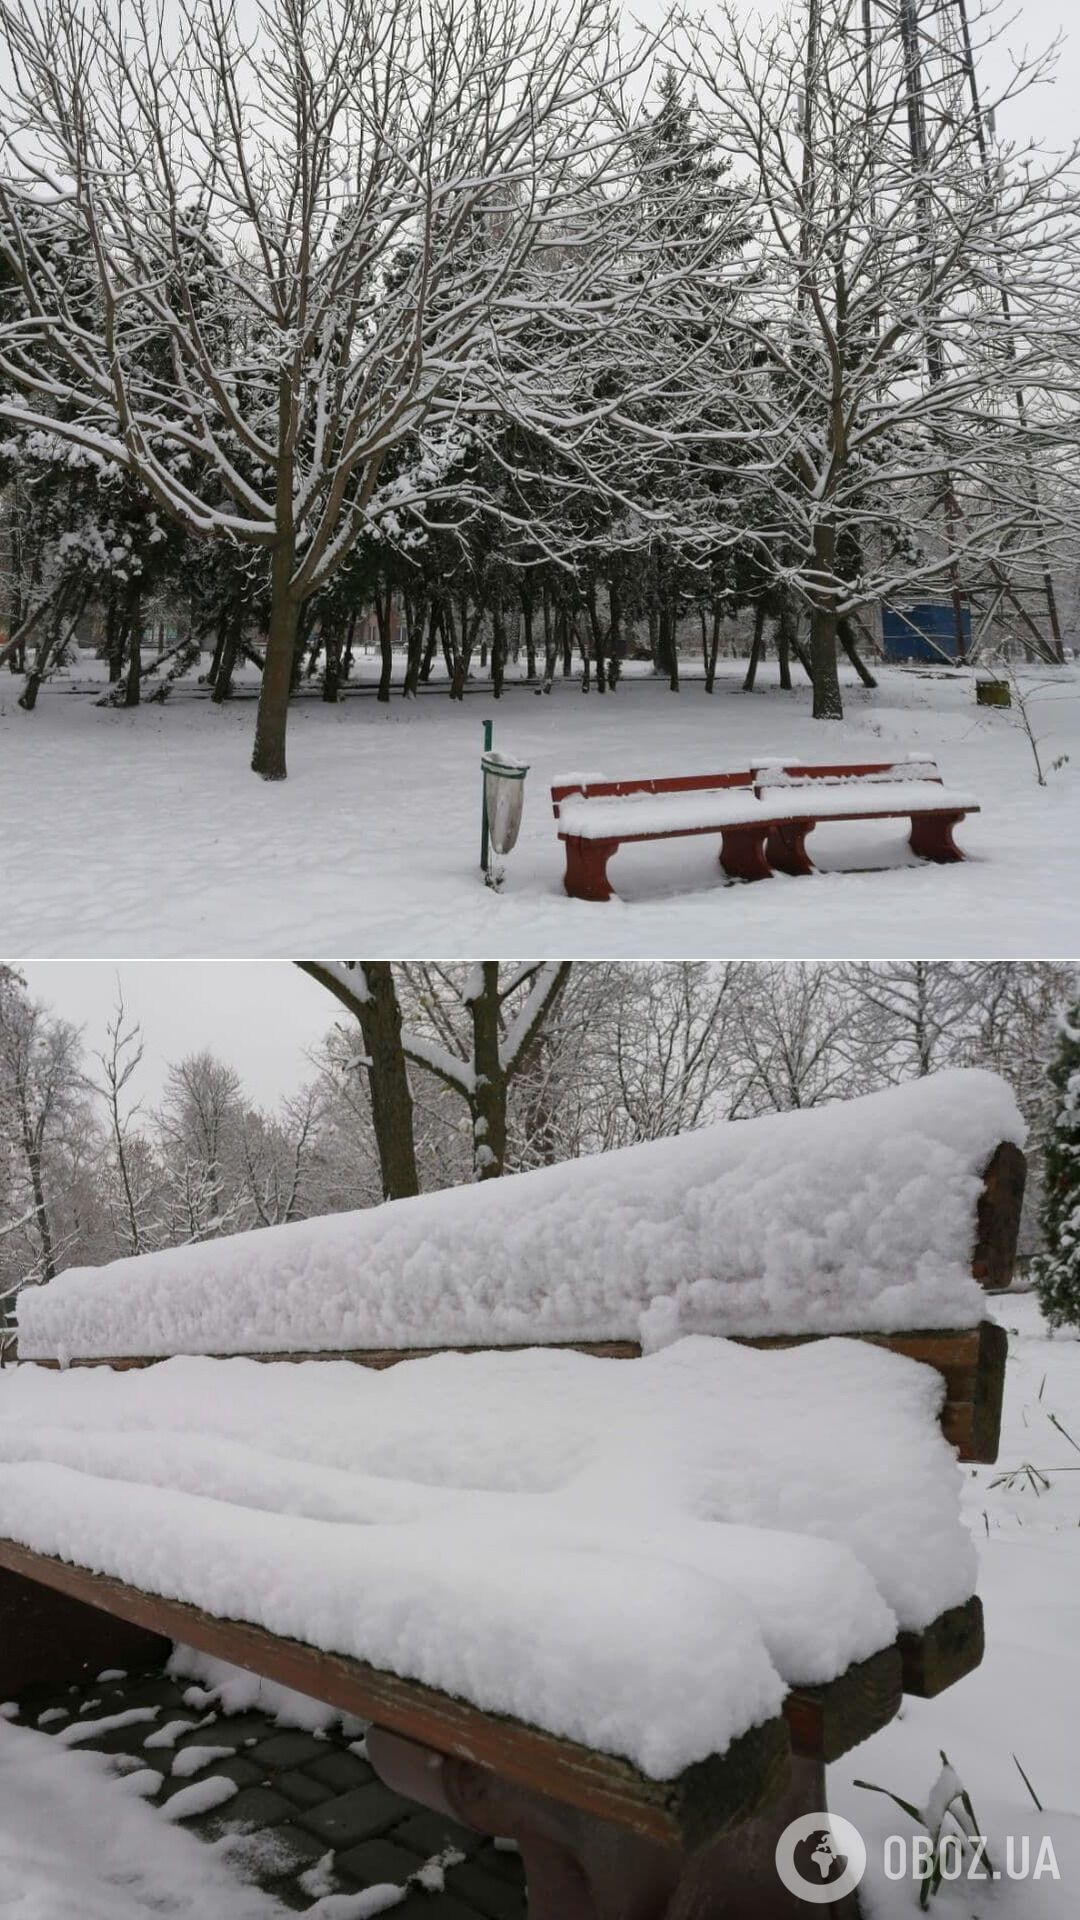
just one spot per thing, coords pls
(1057, 1271)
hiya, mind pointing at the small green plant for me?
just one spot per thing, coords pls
(949, 1802)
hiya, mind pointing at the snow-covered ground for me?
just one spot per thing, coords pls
(1024, 1513)
(76, 1843)
(145, 833)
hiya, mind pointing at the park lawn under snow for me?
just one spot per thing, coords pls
(1023, 1699)
(145, 833)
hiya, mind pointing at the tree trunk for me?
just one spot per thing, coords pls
(487, 1103)
(391, 1100)
(757, 647)
(847, 641)
(828, 702)
(41, 1211)
(713, 649)
(498, 651)
(133, 626)
(785, 628)
(268, 758)
(384, 607)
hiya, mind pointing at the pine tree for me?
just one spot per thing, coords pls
(1057, 1270)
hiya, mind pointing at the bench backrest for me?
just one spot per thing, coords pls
(891, 772)
(970, 1360)
(619, 789)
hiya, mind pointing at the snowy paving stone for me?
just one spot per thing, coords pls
(202, 1796)
(112, 1673)
(320, 1879)
(105, 1729)
(340, 1771)
(430, 1833)
(9, 1709)
(302, 1789)
(258, 1806)
(169, 1734)
(492, 1896)
(356, 1815)
(377, 1860)
(192, 1760)
(52, 1714)
(289, 1749)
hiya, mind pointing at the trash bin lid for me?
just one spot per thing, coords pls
(508, 769)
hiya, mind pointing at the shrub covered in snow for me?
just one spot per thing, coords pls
(1057, 1271)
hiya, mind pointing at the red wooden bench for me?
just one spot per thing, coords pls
(600, 1840)
(762, 814)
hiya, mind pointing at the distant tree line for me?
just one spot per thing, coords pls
(352, 319)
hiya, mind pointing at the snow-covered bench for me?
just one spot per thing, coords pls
(763, 815)
(624, 1614)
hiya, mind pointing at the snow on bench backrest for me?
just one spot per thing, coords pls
(888, 772)
(598, 788)
(854, 1217)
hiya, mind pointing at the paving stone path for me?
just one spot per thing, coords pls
(306, 1807)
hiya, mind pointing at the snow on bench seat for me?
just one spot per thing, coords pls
(870, 800)
(643, 1558)
(648, 815)
(854, 1217)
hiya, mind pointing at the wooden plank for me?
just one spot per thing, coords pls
(950, 1647)
(971, 1362)
(827, 1721)
(997, 1221)
(713, 1795)
(376, 1357)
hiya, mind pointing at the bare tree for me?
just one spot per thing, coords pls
(119, 1062)
(473, 1028)
(41, 1101)
(337, 228)
(896, 355)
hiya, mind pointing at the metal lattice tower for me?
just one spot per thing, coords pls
(942, 96)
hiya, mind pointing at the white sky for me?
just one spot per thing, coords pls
(258, 1015)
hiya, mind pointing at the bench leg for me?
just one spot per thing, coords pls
(586, 868)
(742, 853)
(785, 847)
(48, 1639)
(581, 1867)
(931, 836)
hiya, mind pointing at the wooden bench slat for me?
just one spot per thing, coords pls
(827, 1721)
(971, 1362)
(946, 1651)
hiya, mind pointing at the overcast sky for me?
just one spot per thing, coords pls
(259, 1015)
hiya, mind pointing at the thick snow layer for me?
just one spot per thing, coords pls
(852, 1217)
(122, 844)
(73, 1844)
(531, 1530)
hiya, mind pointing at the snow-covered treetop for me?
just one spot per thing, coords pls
(852, 1217)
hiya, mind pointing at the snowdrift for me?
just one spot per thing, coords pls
(854, 1217)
